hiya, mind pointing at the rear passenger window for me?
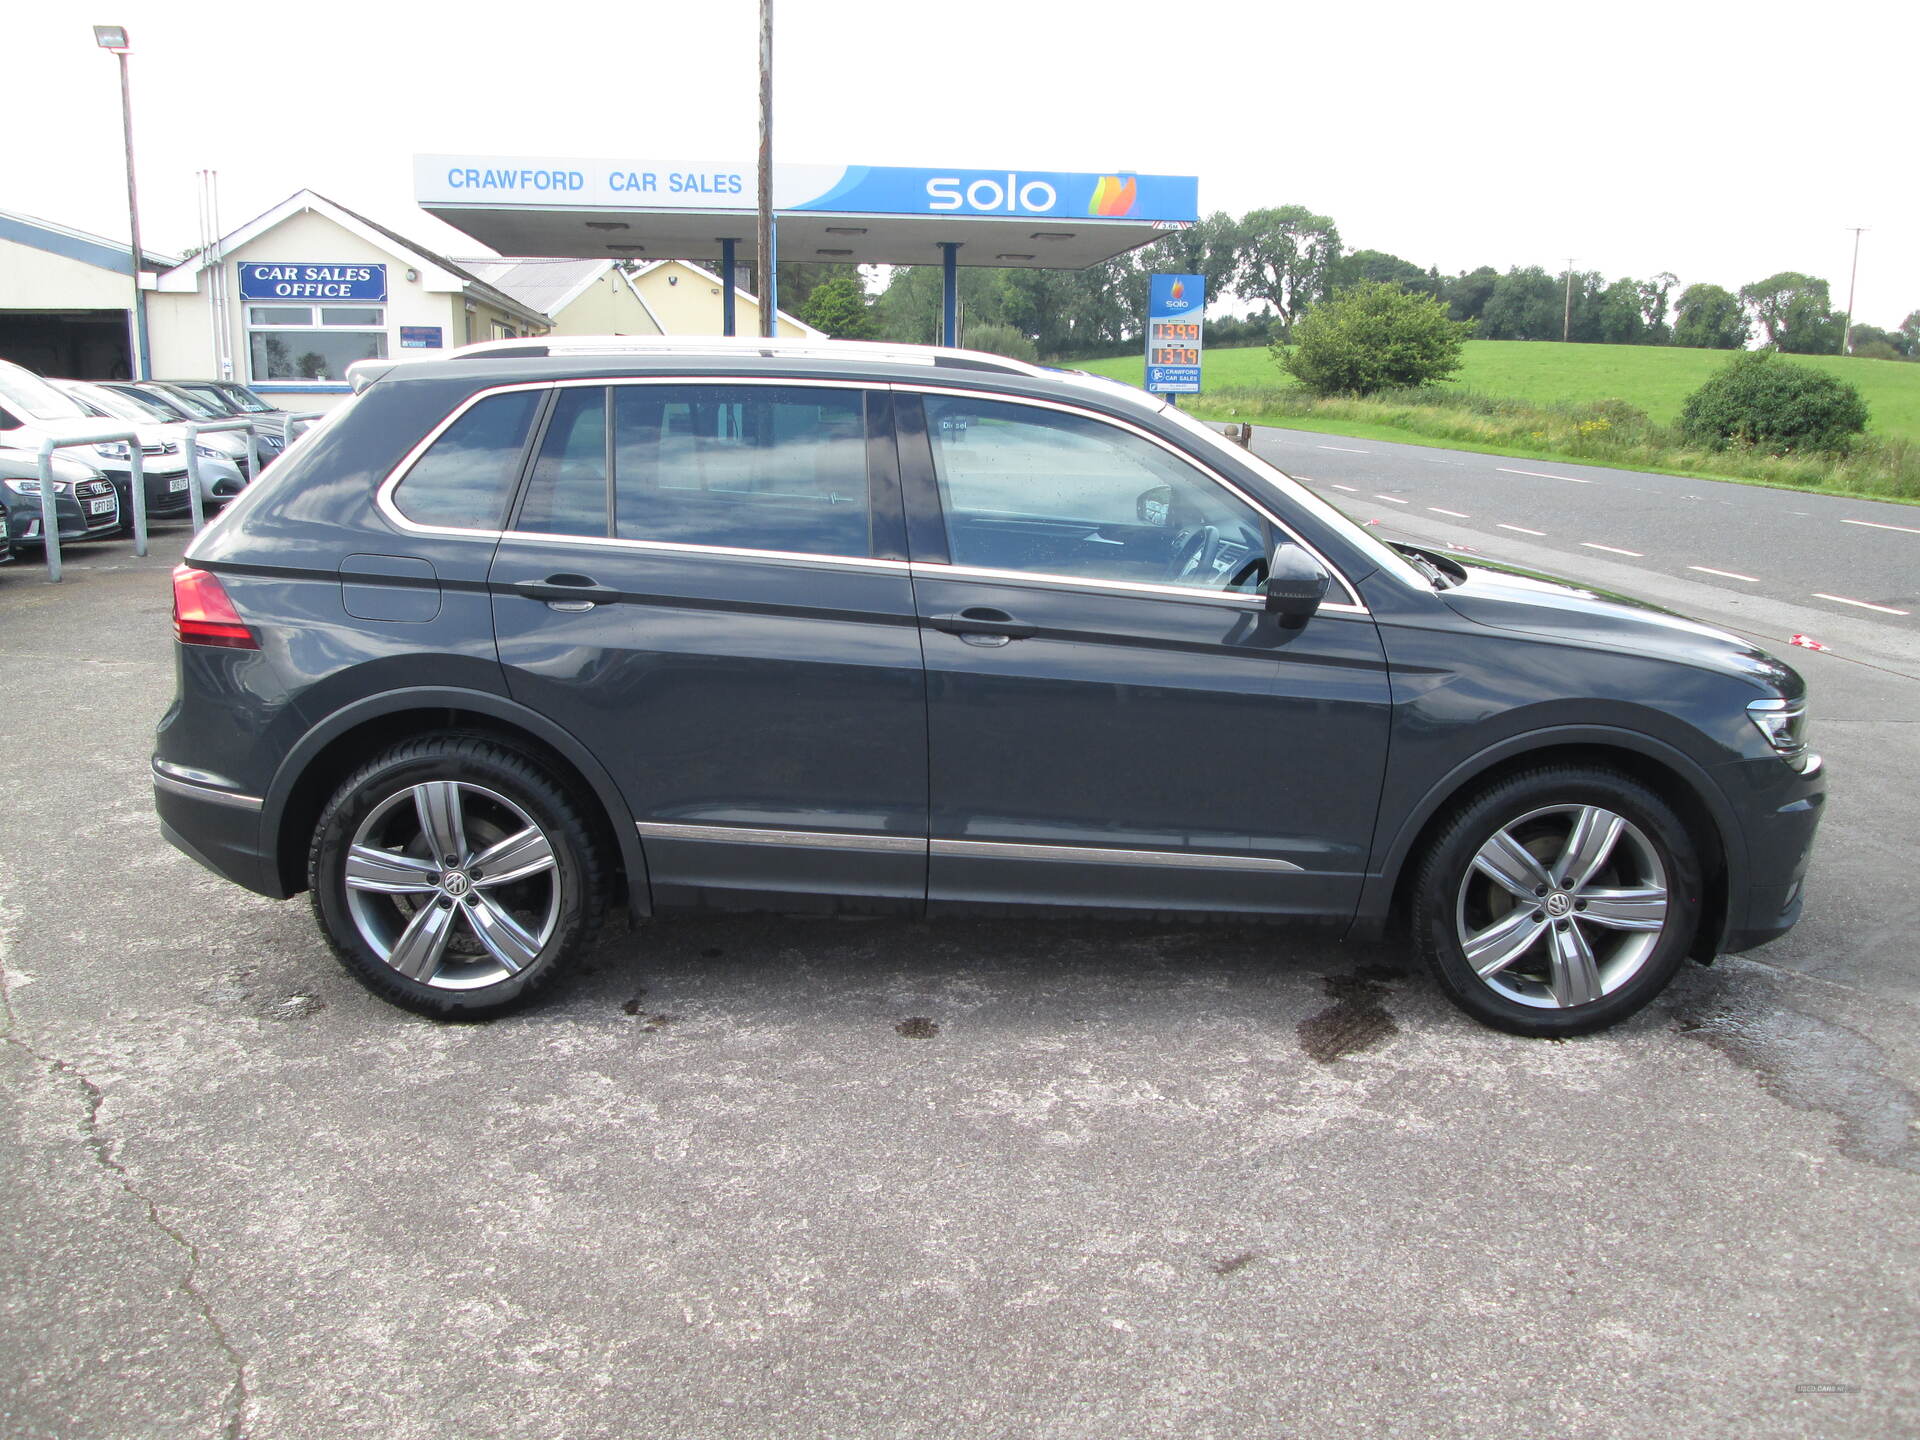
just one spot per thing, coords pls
(466, 477)
(568, 492)
(753, 467)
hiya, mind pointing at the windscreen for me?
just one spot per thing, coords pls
(27, 395)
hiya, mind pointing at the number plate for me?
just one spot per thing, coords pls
(178, 484)
(102, 506)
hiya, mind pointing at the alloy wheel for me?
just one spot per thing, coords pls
(453, 885)
(1562, 906)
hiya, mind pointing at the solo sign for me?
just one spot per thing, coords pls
(301, 280)
(1175, 304)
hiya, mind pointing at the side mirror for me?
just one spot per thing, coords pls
(1155, 506)
(1295, 585)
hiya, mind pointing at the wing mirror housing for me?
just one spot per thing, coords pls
(1296, 584)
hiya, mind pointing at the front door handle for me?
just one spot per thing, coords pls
(983, 620)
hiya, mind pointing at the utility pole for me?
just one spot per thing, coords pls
(114, 38)
(1566, 316)
(763, 248)
(1846, 331)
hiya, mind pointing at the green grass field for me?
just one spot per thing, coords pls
(1654, 378)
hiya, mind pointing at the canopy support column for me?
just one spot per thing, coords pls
(726, 287)
(950, 293)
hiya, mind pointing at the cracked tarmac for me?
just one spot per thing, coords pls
(754, 1177)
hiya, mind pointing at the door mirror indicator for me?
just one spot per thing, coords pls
(1296, 584)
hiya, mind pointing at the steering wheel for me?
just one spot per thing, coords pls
(1194, 553)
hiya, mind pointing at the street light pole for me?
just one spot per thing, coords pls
(1846, 331)
(114, 38)
(763, 248)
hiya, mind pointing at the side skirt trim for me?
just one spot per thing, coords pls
(961, 849)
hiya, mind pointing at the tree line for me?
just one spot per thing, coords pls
(1283, 260)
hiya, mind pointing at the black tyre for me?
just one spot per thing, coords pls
(1557, 901)
(454, 876)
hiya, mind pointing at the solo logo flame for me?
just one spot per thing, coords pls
(1179, 289)
(1113, 196)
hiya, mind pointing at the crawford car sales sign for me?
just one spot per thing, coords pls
(304, 280)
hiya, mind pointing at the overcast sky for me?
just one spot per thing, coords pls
(1721, 141)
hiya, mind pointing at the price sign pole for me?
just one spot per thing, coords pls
(1175, 304)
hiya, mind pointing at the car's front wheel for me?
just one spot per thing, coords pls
(454, 876)
(1558, 901)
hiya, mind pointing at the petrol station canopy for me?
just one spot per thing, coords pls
(849, 214)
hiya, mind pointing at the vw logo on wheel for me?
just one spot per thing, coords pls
(456, 884)
(1559, 904)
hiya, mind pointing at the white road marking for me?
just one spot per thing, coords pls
(1521, 528)
(1876, 525)
(1348, 448)
(1456, 514)
(1392, 500)
(1542, 475)
(1613, 549)
(1863, 604)
(1726, 574)
(1348, 488)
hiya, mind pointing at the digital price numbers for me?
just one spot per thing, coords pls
(1175, 342)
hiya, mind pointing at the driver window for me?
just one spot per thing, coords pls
(1052, 493)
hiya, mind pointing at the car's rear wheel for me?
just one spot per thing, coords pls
(454, 876)
(1558, 901)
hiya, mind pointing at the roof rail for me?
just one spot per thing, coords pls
(896, 351)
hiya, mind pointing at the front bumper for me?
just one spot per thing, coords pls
(1779, 808)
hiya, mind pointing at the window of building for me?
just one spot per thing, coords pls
(503, 331)
(313, 342)
(1047, 492)
(466, 477)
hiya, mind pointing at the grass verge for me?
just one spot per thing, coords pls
(1606, 432)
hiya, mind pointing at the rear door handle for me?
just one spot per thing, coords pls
(983, 620)
(565, 591)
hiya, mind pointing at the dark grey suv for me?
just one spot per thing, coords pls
(532, 630)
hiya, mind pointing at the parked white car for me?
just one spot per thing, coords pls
(223, 475)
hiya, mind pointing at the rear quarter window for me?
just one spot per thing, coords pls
(466, 477)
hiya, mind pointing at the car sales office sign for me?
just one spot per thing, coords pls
(304, 280)
(1175, 304)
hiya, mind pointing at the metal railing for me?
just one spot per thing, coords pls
(195, 430)
(287, 423)
(49, 511)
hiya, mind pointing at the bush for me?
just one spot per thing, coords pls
(1762, 401)
(1373, 337)
(1000, 340)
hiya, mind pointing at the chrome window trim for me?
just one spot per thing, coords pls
(753, 835)
(1097, 855)
(1352, 606)
(836, 562)
(933, 570)
(384, 503)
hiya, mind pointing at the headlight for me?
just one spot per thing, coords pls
(32, 487)
(114, 450)
(207, 452)
(1783, 722)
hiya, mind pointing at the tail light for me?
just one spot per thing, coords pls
(203, 615)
